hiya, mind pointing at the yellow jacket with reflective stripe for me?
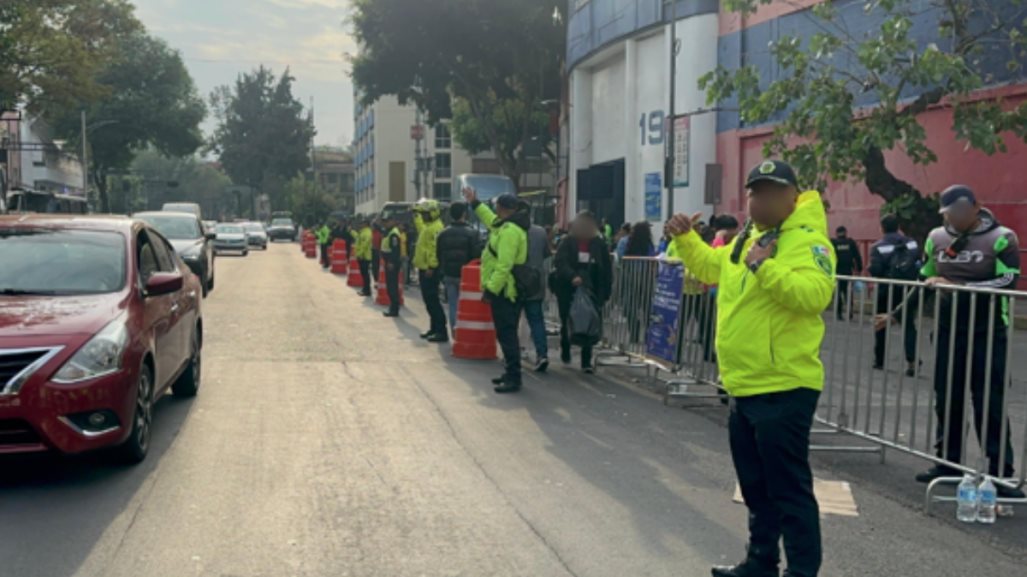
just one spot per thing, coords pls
(363, 238)
(770, 324)
(425, 255)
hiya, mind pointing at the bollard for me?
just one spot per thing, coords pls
(475, 334)
(355, 278)
(340, 264)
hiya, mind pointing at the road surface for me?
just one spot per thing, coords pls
(329, 441)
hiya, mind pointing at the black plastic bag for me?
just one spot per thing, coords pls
(584, 323)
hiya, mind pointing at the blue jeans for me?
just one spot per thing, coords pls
(537, 324)
(452, 298)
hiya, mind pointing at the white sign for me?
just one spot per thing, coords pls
(682, 131)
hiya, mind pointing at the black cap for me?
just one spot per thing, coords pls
(508, 201)
(772, 171)
(955, 196)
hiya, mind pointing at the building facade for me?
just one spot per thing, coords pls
(336, 176)
(618, 58)
(33, 160)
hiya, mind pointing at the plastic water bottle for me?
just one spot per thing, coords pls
(966, 500)
(987, 499)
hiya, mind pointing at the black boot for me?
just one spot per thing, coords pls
(747, 568)
(936, 472)
(510, 385)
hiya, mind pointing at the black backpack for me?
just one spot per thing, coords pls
(904, 263)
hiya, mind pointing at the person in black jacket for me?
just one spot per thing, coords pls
(456, 246)
(850, 263)
(895, 257)
(582, 260)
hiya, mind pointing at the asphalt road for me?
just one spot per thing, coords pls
(329, 441)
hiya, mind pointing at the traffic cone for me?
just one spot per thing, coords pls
(474, 337)
(340, 264)
(383, 292)
(355, 278)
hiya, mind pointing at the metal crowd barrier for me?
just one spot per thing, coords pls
(949, 351)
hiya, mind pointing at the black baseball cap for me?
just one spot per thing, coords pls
(772, 171)
(956, 196)
(508, 201)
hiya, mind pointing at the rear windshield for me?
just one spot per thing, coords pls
(64, 262)
(281, 222)
(174, 227)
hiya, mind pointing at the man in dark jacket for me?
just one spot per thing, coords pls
(582, 260)
(850, 263)
(456, 246)
(894, 257)
(538, 252)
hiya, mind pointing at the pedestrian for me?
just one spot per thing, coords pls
(640, 241)
(392, 246)
(622, 241)
(538, 252)
(640, 245)
(607, 231)
(582, 261)
(507, 248)
(895, 257)
(324, 235)
(971, 250)
(776, 279)
(377, 233)
(363, 240)
(850, 263)
(457, 245)
(428, 222)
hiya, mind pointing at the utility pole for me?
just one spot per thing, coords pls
(672, 123)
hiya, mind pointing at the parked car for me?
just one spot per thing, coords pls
(282, 228)
(255, 234)
(191, 241)
(230, 238)
(98, 319)
(189, 207)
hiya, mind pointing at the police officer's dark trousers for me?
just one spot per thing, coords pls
(770, 448)
(430, 294)
(376, 263)
(949, 441)
(365, 273)
(392, 286)
(506, 316)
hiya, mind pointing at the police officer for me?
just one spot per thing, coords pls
(774, 280)
(850, 263)
(428, 222)
(362, 240)
(972, 250)
(507, 247)
(324, 236)
(392, 255)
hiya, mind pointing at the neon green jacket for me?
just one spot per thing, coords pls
(363, 240)
(770, 324)
(507, 247)
(323, 234)
(425, 257)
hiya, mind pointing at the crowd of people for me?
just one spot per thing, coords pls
(766, 284)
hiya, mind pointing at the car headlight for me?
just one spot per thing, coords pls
(192, 254)
(100, 356)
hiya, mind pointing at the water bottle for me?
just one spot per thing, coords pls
(966, 500)
(987, 499)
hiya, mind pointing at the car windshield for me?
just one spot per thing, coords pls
(281, 222)
(489, 187)
(61, 262)
(229, 229)
(174, 227)
(253, 227)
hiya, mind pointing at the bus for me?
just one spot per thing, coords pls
(23, 200)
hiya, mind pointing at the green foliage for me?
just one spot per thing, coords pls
(263, 135)
(489, 64)
(155, 179)
(827, 137)
(51, 50)
(309, 204)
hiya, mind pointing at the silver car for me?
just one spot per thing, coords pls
(230, 238)
(256, 234)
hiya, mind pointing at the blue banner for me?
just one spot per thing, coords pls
(661, 341)
(653, 197)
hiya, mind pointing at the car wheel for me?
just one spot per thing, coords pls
(210, 283)
(188, 383)
(134, 449)
(246, 252)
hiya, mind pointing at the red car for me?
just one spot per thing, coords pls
(98, 319)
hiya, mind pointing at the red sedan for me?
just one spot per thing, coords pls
(98, 318)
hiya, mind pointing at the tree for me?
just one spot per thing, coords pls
(150, 100)
(263, 136)
(309, 204)
(492, 76)
(819, 97)
(155, 179)
(51, 50)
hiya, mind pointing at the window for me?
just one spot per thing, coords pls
(443, 190)
(443, 140)
(443, 165)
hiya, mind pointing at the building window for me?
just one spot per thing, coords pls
(443, 140)
(443, 190)
(443, 165)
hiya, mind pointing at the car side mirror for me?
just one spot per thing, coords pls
(210, 235)
(162, 283)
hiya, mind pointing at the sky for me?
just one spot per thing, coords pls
(220, 39)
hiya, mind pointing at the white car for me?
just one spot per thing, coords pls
(256, 235)
(231, 238)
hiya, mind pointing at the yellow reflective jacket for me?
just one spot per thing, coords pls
(770, 324)
(363, 239)
(425, 255)
(507, 247)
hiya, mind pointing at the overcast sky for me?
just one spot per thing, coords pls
(219, 39)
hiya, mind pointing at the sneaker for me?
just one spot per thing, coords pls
(541, 365)
(1007, 493)
(937, 472)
